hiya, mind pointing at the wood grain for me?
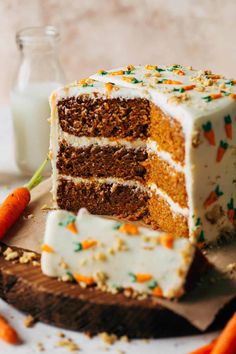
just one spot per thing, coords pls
(69, 306)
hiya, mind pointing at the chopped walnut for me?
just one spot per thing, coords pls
(27, 257)
(108, 338)
(10, 255)
(177, 99)
(69, 344)
(29, 321)
(214, 214)
(196, 138)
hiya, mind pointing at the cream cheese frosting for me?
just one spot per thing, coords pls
(114, 255)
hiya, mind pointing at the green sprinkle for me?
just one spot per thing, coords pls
(87, 85)
(159, 70)
(78, 247)
(207, 98)
(174, 67)
(132, 276)
(180, 90)
(103, 73)
(207, 127)
(201, 237)
(70, 275)
(231, 83)
(230, 205)
(117, 226)
(224, 145)
(129, 72)
(218, 192)
(152, 285)
(198, 222)
(227, 119)
(135, 81)
(70, 220)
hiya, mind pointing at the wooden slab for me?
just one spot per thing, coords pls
(69, 306)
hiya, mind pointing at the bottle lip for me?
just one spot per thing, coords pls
(38, 35)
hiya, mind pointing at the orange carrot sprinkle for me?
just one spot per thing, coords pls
(47, 248)
(83, 278)
(171, 82)
(233, 96)
(150, 67)
(157, 291)
(189, 87)
(7, 332)
(109, 87)
(116, 73)
(215, 96)
(129, 229)
(179, 72)
(72, 228)
(167, 241)
(143, 278)
(88, 244)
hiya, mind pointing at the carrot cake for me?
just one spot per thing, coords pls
(118, 256)
(150, 143)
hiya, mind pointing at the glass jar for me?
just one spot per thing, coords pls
(38, 74)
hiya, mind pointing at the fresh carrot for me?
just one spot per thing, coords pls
(14, 205)
(226, 343)
(206, 349)
(7, 332)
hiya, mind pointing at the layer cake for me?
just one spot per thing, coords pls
(149, 143)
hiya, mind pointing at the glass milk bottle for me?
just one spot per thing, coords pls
(39, 73)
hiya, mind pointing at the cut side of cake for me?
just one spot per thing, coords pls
(154, 144)
(118, 256)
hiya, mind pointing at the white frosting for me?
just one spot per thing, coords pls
(202, 172)
(116, 254)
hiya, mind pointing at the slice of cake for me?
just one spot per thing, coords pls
(155, 144)
(118, 256)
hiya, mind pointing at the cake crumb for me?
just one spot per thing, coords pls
(29, 321)
(108, 338)
(40, 346)
(69, 344)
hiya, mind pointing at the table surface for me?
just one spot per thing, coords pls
(48, 335)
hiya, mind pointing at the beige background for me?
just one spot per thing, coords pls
(100, 34)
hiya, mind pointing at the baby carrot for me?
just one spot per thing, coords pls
(14, 205)
(226, 343)
(8, 333)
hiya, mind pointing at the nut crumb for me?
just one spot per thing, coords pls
(29, 321)
(108, 338)
(10, 255)
(69, 344)
(27, 257)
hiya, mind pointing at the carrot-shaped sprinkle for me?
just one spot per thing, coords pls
(233, 96)
(150, 67)
(231, 82)
(221, 150)
(131, 80)
(157, 291)
(129, 229)
(209, 133)
(14, 205)
(228, 126)
(69, 223)
(213, 197)
(167, 241)
(47, 248)
(212, 96)
(130, 67)
(140, 277)
(226, 342)
(102, 72)
(117, 73)
(179, 72)
(7, 332)
(214, 76)
(206, 349)
(84, 245)
(170, 82)
(109, 87)
(83, 278)
(230, 210)
(189, 87)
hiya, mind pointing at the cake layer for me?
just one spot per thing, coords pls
(124, 200)
(161, 216)
(118, 118)
(114, 256)
(168, 133)
(101, 161)
(167, 179)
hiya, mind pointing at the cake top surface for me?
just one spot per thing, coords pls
(181, 91)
